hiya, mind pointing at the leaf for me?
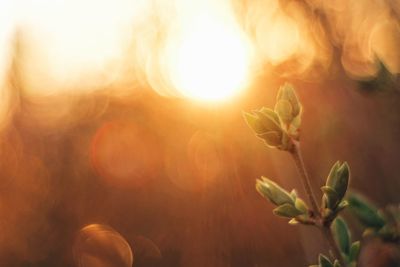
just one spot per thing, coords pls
(273, 192)
(293, 221)
(342, 235)
(354, 251)
(268, 122)
(324, 261)
(254, 123)
(286, 210)
(366, 212)
(301, 206)
(270, 113)
(331, 196)
(331, 180)
(342, 182)
(272, 138)
(287, 92)
(284, 110)
(338, 178)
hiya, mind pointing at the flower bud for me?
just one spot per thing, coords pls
(336, 184)
(273, 192)
(265, 123)
(287, 93)
(287, 211)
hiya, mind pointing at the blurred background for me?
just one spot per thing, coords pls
(121, 130)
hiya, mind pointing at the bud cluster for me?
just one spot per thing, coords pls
(278, 128)
(289, 205)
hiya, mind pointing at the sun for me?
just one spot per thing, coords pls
(210, 62)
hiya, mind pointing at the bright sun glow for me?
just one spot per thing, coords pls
(210, 60)
(77, 45)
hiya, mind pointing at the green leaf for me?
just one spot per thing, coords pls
(342, 182)
(272, 138)
(330, 195)
(286, 92)
(254, 123)
(324, 261)
(332, 177)
(338, 179)
(366, 212)
(286, 210)
(284, 110)
(270, 113)
(301, 206)
(268, 122)
(273, 192)
(342, 235)
(354, 251)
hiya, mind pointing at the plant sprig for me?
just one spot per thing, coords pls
(280, 128)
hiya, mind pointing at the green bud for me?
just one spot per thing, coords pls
(273, 192)
(330, 197)
(286, 92)
(268, 121)
(271, 139)
(354, 251)
(342, 180)
(366, 212)
(324, 261)
(337, 182)
(332, 177)
(254, 123)
(278, 128)
(265, 123)
(286, 210)
(269, 112)
(284, 110)
(301, 206)
(342, 235)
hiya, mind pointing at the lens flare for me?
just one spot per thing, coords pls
(98, 245)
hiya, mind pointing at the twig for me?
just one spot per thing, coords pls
(324, 226)
(305, 179)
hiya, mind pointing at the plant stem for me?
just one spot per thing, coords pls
(298, 159)
(323, 226)
(326, 231)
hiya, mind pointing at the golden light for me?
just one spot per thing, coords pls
(209, 60)
(278, 38)
(74, 46)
